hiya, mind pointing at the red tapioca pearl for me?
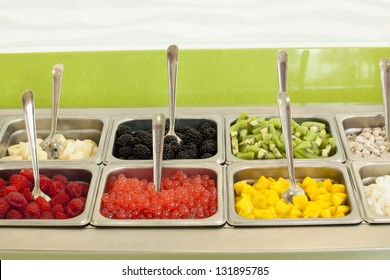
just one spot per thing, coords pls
(211, 183)
(121, 214)
(104, 211)
(105, 197)
(204, 201)
(213, 210)
(175, 214)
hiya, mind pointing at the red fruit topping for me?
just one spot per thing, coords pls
(28, 173)
(2, 188)
(60, 198)
(74, 189)
(44, 183)
(47, 215)
(181, 197)
(16, 201)
(55, 188)
(75, 207)
(43, 204)
(13, 214)
(27, 194)
(84, 188)
(60, 215)
(19, 181)
(57, 209)
(4, 207)
(60, 178)
(32, 211)
(2, 182)
(9, 189)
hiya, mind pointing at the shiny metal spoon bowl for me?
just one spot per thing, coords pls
(158, 129)
(53, 145)
(172, 58)
(285, 117)
(29, 117)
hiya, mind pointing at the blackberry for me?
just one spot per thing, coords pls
(123, 129)
(206, 155)
(209, 133)
(186, 154)
(169, 151)
(205, 125)
(189, 146)
(141, 151)
(144, 137)
(192, 135)
(125, 152)
(170, 139)
(209, 146)
(126, 140)
(182, 129)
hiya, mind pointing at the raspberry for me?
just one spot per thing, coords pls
(9, 189)
(32, 211)
(84, 188)
(44, 183)
(4, 207)
(60, 198)
(43, 204)
(60, 178)
(27, 194)
(57, 209)
(60, 215)
(75, 207)
(20, 182)
(55, 188)
(2, 188)
(2, 182)
(28, 173)
(46, 215)
(74, 189)
(13, 214)
(17, 201)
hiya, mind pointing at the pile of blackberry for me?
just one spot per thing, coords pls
(198, 143)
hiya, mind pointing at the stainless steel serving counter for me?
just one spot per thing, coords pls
(361, 241)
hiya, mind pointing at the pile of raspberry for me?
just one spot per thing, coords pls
(16, 201)
(180, 197)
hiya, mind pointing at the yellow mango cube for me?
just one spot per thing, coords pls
(323, 190)
(282, 208)
(339, 198)
(338, 215)
(264, 214)
(325, 213)
(246, 214)
(338, 188)
(295, 213)
(342, 209)
(327, 184)
(300, 202)
(284, 182)
(273, 197)
(262, 183)
(249, 191)
(239, 186)
(312, 210)
(312, 191)
(277, 187)
(259, 201)
(244, 203)
(308, 182)
(325, 197)
(332, 210)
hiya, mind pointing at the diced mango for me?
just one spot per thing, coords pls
(327, 184)
(325, 197)
(264, 214)
(312, 191)
(339, 198)
(273, 197)
(324, 204)
(239, 186)
(259, 201)
(338, 188)
(284, 182)
(325, 213)
(244, 203)
(332, 210)
(279, 187)
(323, 190)
(249, 191)
(312, 210)
(338, 215)
(342, 209)
(308, 182)
(282, 207)
(262, 183)
(300, 202)
(295, 213)
(246, 214)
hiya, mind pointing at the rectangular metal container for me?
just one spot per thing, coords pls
(326, 119)
(145, 171)
(318, 171)
(363, 174)
(142, 123)
(82, 172)
(353, 124)
(72, 127)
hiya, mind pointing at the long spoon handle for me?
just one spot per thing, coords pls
(384, 66)
(158, 130)
(281, 60)
(172, 59)
(57, 73)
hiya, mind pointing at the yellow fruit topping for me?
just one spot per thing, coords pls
(322, 199)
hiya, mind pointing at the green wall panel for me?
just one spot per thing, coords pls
(210, 77)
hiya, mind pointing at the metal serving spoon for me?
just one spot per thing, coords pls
(158, 130)
(52, 145)
(29, 117)
(172, 58)
(285, 117)
(384, 66)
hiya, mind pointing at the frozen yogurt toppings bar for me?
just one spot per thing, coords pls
(260, 138)
(71, 149)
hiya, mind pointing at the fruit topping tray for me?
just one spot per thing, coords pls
(258, 139)
(254, 195)
(190, 195)
(72, 190)
(202, 135)
(372, 181)
(83, 138)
